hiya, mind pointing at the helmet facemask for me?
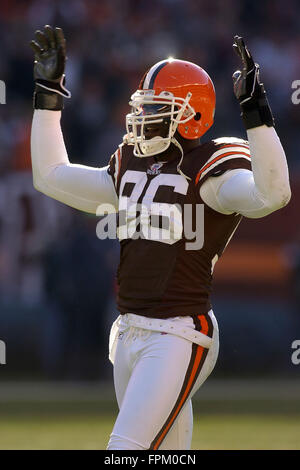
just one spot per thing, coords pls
(160, 112)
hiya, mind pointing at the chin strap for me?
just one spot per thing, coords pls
(177, 144)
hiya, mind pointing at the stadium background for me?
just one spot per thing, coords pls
(57, 291)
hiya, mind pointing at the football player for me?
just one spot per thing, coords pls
(164, 342)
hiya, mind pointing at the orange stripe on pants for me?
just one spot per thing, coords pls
(197, 360)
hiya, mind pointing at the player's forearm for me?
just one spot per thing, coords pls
(47, 145)
(269, 167)
(78, 186)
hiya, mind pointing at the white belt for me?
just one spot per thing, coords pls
(166, 326)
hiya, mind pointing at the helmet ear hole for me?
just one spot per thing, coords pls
(197, 116)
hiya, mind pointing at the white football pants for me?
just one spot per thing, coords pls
(155, 376)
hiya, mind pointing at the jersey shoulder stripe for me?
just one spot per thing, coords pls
(115, 164)
(214, 156)
(118, 157)
(220, 157)
(225, 149)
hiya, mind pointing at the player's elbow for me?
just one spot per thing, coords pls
(286, 196)
(280, 198)
(36, 183)
(272, 203)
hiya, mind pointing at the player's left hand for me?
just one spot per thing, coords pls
(246, 81)
(248, 89)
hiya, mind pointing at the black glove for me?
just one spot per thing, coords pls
(49, 66)
(249, 91)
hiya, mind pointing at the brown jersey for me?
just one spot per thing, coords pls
(158, 276)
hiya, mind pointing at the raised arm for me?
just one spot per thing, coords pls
(78, 186)
(266, 188)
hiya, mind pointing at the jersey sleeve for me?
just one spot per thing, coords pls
(254, 193)
(226, 154)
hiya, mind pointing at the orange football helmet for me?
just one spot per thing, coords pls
(177, 94)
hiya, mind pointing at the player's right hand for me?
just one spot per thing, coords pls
(49, 48)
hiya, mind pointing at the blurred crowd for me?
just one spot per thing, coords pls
(56, 278)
